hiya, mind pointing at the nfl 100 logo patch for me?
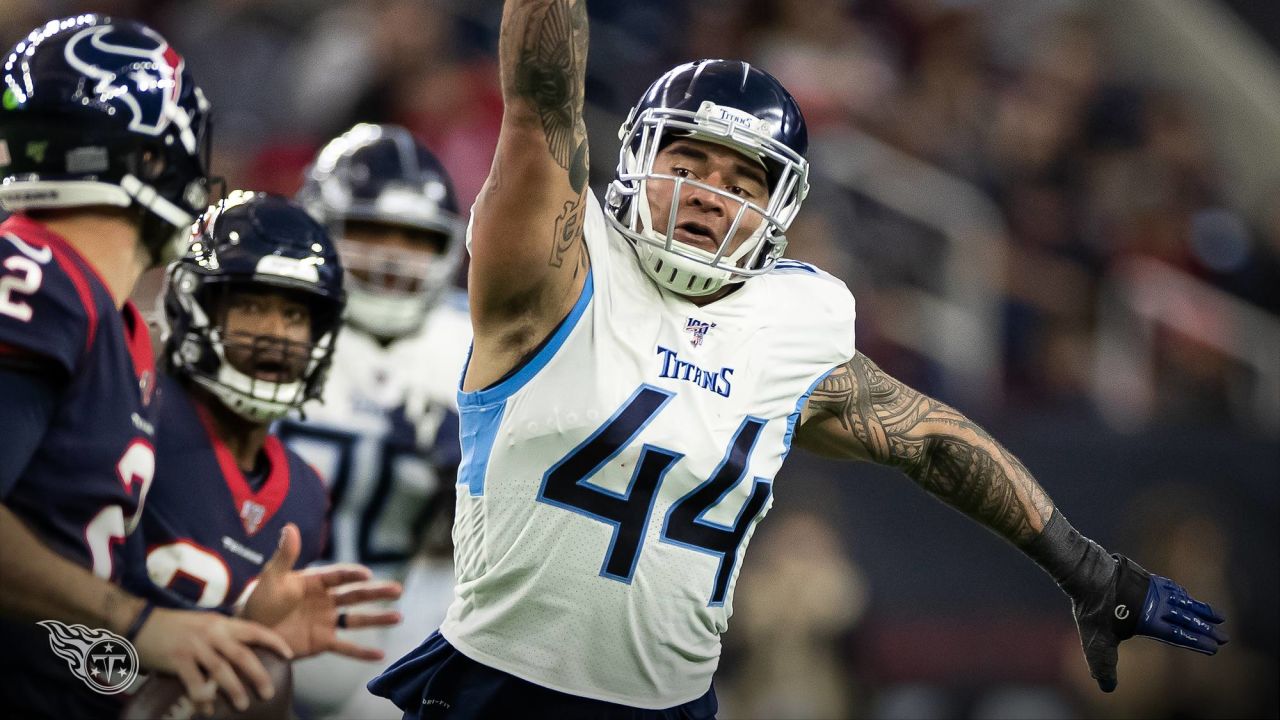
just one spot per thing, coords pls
(251, 516)
(698, 330)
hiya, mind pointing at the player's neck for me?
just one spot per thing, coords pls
(702, 300)
(109, 241)
(244, 438)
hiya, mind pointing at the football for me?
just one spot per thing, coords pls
(163, 696)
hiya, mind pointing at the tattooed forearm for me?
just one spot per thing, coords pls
(942, 450)
(544, 63)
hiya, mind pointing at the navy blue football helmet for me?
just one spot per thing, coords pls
(253, 242)
(728, 103)
(381, 175)
(100, 111)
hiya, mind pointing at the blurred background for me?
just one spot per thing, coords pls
(1061, 216)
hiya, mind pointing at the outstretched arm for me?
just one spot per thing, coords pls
(528, 262)
(861, 412)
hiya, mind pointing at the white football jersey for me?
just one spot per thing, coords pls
(389, 414)
(610, 485)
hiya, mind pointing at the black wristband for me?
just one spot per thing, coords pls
(1078, 564)
(1132, 583)
(139, 621)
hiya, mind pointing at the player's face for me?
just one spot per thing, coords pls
(374, 250)
(267, 335)
(703, 218)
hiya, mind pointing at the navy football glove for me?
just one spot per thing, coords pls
(1113, 599)
(1135, 602)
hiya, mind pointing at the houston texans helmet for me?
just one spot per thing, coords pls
(253, 242)
(728, 103)
(381, 175)
(102, 111)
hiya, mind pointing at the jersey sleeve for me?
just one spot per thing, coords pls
(825, 311)
(44, 311)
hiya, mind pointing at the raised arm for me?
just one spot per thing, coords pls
(860, 412)
(528, 262)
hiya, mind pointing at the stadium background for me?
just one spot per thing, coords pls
(1061, 216)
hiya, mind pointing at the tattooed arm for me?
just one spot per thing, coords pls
(860, 412)
(528, 261)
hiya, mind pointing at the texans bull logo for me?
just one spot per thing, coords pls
(146, 80)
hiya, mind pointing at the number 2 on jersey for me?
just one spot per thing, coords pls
(565, 485)
(26, 284)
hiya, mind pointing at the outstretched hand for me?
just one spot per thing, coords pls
(1139, 603)
(304, 606)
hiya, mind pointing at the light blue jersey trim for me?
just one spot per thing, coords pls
(478, 428)
(510, 386)
(480, 412)
(794, 417)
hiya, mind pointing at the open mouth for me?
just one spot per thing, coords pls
(267, 359)
(696, 234)
(276, 370)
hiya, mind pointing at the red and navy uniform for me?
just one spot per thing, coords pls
(209, 529)
(78, 478)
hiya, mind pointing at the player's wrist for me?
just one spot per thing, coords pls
(1078, 564)
(122, 609)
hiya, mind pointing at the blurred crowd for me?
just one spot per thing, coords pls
(1087, 167)
(1016, 99)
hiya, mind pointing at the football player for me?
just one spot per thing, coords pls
(252, 310)
(640, 370)
(385, 436)
(104, 165)
(103, 153)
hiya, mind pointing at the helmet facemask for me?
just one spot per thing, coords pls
(676, 265)
(230, 366)
(391, 288)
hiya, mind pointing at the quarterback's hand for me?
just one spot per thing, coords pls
(305, 606)
(204, 649)
(1139, 603)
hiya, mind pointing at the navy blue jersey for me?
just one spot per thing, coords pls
(83, 487)
(207, 531)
